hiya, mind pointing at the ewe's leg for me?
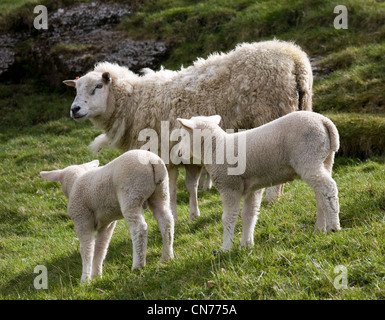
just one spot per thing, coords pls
(138, 230)
(202, 178)
(205, 181)
(208, 184)
(326, 192)
(274, 193)
(192, 177)
(163, 216)
(231, 202)
(173, 177)
(250, 212)
(101, 245)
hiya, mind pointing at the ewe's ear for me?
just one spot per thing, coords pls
(188, 124)
(71, 83)
(216, 119)
(106, 77)
(54, 175)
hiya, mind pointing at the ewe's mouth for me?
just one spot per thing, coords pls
(78, 117)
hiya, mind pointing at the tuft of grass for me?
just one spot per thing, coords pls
(361, 135)
(357, 83)
(28, 104)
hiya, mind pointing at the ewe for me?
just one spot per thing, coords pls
(249, 86)
(299, 144)
(97, 197)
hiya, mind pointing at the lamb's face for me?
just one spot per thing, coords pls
(197, 130)
(68, 175)
(92, 94)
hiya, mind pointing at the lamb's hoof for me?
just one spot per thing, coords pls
(167, 257)
(138, 267)
(247, 244)
(334, 229)
(320, 229)
(193, 216)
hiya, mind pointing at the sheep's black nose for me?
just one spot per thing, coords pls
(75, 110)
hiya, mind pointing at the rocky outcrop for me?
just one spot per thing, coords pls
(77, 37)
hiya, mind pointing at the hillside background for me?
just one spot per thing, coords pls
(289, 261)
(348, 63)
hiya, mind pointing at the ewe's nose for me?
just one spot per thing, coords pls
(75, 109)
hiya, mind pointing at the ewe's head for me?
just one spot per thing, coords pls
(92, 94)
(67, 176)
(93, 90)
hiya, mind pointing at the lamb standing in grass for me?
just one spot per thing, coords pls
(299, 144)
(100, 196)
(249, 86)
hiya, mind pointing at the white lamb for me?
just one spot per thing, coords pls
(248, 86)
(97, 197)
(301, 144)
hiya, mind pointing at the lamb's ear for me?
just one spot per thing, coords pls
(188, 124)
(54, 175)
(71, 83)
(106, 77)
(216, 119)
(129, 89)
(92, 164)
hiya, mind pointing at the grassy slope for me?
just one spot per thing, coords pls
(289, 261)
(353, 59)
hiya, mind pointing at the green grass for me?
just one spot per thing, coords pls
(289, 261)
(207, 26)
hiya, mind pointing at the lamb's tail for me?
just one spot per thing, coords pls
(160, 172)
(333, 134)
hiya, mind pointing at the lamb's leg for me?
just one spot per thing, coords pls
(173, 177)
(101, 245)
(331, 203)
(192, 179)
(320, 225)
(138, 230)
(163, 216)
(274, 193)
(326, 192)
(250, 212)
(85, 232)
(231, 202)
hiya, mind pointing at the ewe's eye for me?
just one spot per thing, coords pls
(98, 86)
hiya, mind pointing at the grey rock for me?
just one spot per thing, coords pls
(77, 37)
